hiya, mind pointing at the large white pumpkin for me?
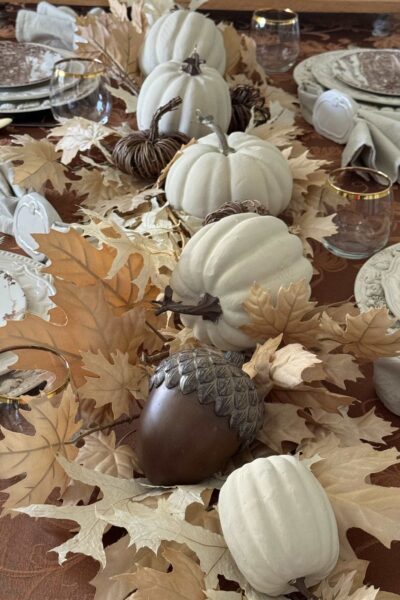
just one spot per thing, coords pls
(278, 524)
(230, 168)
(174, 36)
(201, 88)
(223, 260)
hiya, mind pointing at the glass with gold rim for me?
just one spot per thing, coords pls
(79, 88)
(26, 374)
(361, 199)
(277, 37)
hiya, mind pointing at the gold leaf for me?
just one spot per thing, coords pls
(115, 381)
(77, 135)
(282, 423)
(35, 455)
(287, 315)
(40, 163)
(364, 335)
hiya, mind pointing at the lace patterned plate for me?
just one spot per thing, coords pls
(12, 298)
(24, 65)
(377, 72)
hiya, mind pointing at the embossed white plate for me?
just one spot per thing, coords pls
(12, 298)
(377, 72)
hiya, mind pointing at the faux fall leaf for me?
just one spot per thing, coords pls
(288, 315)
(77, 135)
(308, 396)
(339, 368)
(35, 455)
(310, 225)
(355, 567)
(40, 163)
(342, 590)
(282, 423)
(365, 335)
(344, 473)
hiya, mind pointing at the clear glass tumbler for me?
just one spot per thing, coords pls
(79, 88)
(362, 201)
(277, 36)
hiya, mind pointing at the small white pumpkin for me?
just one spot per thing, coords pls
(200, 87)
(173, 37)
(278, 524)
(230, 168)
(219, 265)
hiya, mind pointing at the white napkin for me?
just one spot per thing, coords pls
(374, 140)
(9, 197)
(49, 25)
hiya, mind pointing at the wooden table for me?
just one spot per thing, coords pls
(29, 572)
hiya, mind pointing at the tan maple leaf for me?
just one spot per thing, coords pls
(77, 135)
(181, 339)
(310, 225)
(116, 381)
(364, 335)
(288, 314)
(231, 39)
(339, 368)
(35, 455)
(40, 163)
(282, 423)
(344, 473)
(119, 10)
(342, 590)
(185, 581)
(259, 366)
(308, 396)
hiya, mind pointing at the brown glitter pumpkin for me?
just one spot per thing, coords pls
(244, 98)
(146, 153)
(235, 208)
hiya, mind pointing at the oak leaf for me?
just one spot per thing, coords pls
(35, 455)
(310, 225)
(356, 567)
(77, 135)
(185, 581)
(116, 381)
(339, 368)
(344, 473)
(282, 423)
(342, 590)
(288, 314)
(364, 335)
(40, 163)
(308, 396)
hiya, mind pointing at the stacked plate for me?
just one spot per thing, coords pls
(25, 73)
(370, 76)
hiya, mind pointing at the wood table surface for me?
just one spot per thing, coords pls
(27, 570)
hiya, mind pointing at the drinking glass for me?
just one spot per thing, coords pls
(277, 36)
(78, 88)
(26, 373)
(362, 201)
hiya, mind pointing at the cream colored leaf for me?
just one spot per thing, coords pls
(310, 225)
(356, 567)
(181, 340)
(279, 129)
(288, 365)
(344, 473)
(287, 315)
(305, 396)
(342, 590)
(185, 495)
(119, 10)
(77, 135)
(280, 96)
(282, 423)
(184, 582)
(340, 368)
(259, 366)
(40, 163)
(365, 335)
(221, 595)
(231, 39)
(116, 381)
(128, 97)
(35, 455)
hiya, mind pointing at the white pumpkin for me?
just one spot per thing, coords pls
(223, 260)
(230, 168)
(174, 36)
(201, 88)
(278, 524)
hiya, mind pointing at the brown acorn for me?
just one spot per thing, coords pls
(235, 208)
(244, 98)
(201, 409)
(146, 153)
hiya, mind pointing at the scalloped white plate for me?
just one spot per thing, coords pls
(12, 298)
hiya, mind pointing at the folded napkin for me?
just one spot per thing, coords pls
(372, 137)
(49, 25)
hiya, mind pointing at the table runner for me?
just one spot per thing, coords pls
(27, 570)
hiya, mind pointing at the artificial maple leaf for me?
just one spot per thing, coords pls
(40, 163)
(282, 423)
(259, 366)
(182, 339)
(77, 135)
(365, 335)
(310, 225)
(221, 595)
(307, 396)
(356, 567)
(231, 39)
(130, 99)
(115, 381)
(342, 590)
(344, 473)
(289, 364)
(35, 455)
(288, 314)
(340, 368)
(119, 10)
(185, 581)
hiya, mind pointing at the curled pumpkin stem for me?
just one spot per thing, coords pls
(300, 585)
(208, 120)
(173, 104)
(208, 306)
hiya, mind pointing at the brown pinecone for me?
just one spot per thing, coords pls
(244, 98)
(235, 208)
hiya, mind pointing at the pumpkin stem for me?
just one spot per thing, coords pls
(222, 138)
(208, 306)
(162, 110)
(192, 64)
(300, 585)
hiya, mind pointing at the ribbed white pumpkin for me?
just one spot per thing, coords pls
(224, 259)
(174, 36)
(278, 524)
(230, 168)
(201, 88)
